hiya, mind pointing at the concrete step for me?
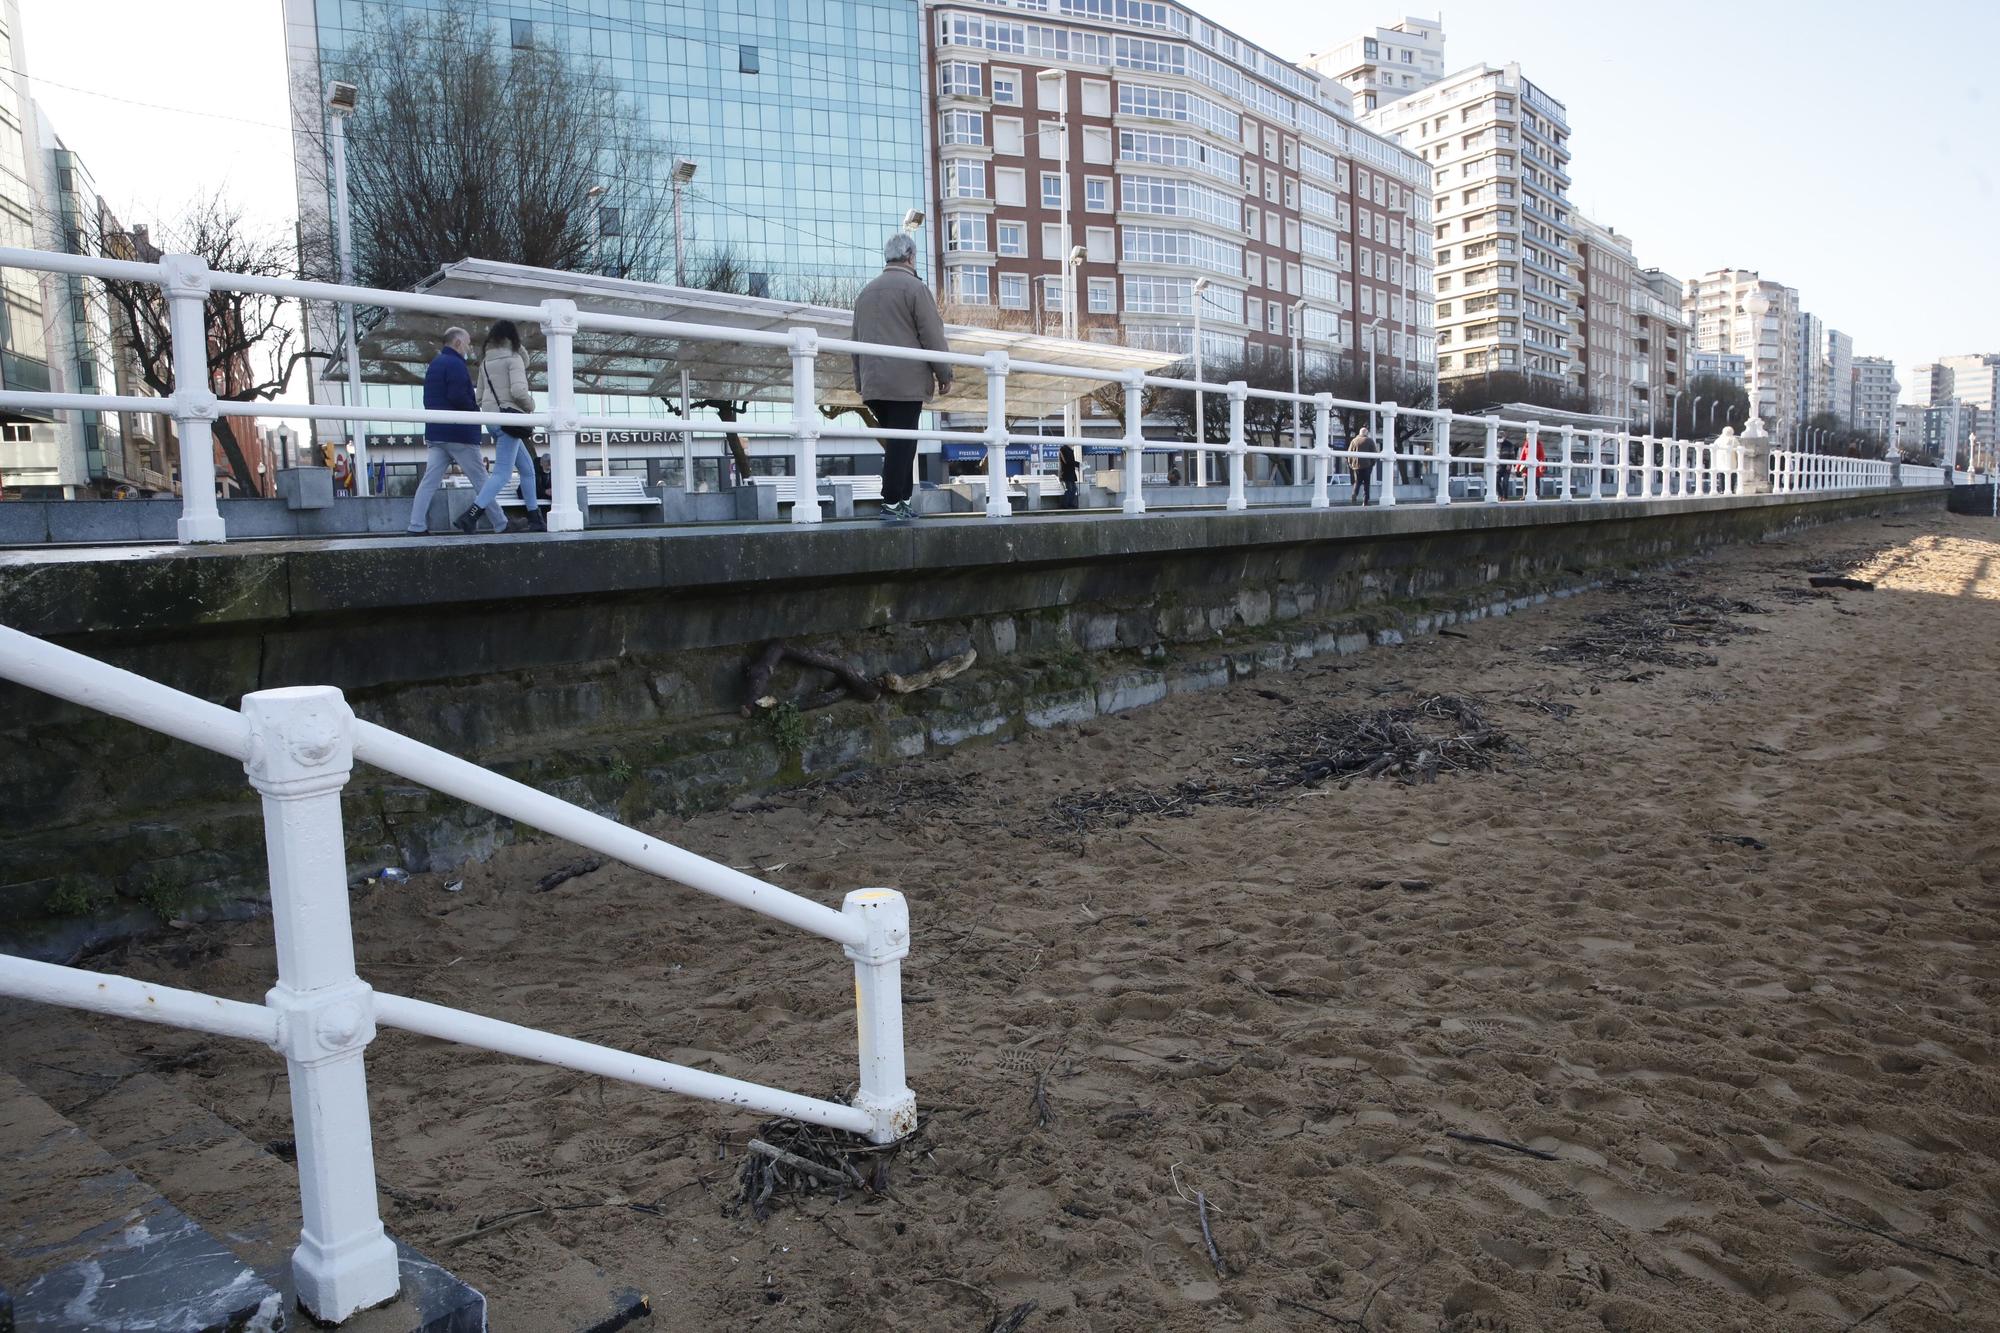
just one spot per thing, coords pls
(87, 1244)
(248, 1196)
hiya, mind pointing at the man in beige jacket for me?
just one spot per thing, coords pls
(896, 310)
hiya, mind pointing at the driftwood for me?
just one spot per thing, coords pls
(1508, 1144)
(852, 684)
(1835, 581)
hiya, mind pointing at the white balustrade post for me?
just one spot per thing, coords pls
(301, 749)
(1441, 456)
(1322, 450)
(1596, 464)
(1569, 462)
(1656, 465)
(878, 999)
(1386, 448)
(997, 504)
(1531, 445)
(186, 280)
(805, 426)
(1621, 463)
(1691, 468)
(559, 335)
(1134, 499)
(1239, 457)
(1492, 459)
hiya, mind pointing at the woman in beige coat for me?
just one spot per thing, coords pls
(503, 387)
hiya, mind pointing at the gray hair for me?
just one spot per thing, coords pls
(455, 334)
(900, 249)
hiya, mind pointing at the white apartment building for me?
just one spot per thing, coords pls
(1507, 263)
(1874, 395)
(1193, 157)
(1840, 371)
(1925, 384)
(1975, 382)
(1731, 366)
(1826, 370)
(1376, 67)
(1736, 310)
(1660, 346)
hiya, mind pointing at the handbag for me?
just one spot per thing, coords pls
(518, 432)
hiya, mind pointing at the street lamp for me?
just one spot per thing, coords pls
(1200, 433)
(1694, 417)
(341, 99)
(684, 169)
(913, 220)
(1052, 85)
(1298, 332)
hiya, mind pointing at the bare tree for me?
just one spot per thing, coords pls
(249, 335)
(463, 148)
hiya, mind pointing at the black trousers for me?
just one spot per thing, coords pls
(1364, 473)
(899, 457)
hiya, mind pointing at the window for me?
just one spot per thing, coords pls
(964, 180)
(1052, 194)
(1103, 296)
(964, 127)
(1013, 291)
(1052, 295)
(1051, 240)
(1270, 144)
(1254, 312)
(960, 78)
(1011, 238)
(1097, 194)
(1099, 245)
(964, 231)
(1274, 273)
(1291, 153)
(760, 284)
(1010, 187)
(1253, 223)
(746, 60)
(969, 286)
(1167, 245)
(1007, 136)
(1276, 317)
(1051, 142)
(1292, 237)
(1097, 144)
(1096, 97)
(1291, 194)
(524, 35)
(1007, 92)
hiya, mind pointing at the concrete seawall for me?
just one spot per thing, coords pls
(608, 667)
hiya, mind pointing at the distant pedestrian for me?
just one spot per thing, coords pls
(896, 310)
(503, 387)
(1531, 475)
(343, 474)
(447, 387)
(1359, 461)
(1173, 474)
(1067, 468)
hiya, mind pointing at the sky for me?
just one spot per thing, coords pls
(1837, 151)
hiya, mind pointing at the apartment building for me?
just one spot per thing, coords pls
(1508, 290)
(1975, 382)
(1660, 343)
(1738, 311)
(1607, 364)
(1191, 155)
(1376, 67)
(1874, 395)
(1925, 384)
(1729, 366)
(1811, 384)
(1839, 358)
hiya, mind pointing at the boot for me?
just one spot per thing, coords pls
(535, 522)
(468, 522)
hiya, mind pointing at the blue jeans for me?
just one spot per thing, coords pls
(509, 455)
(438, 459)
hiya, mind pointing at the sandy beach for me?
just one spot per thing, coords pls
(1714, 952)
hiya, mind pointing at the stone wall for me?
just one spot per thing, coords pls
(609, 667)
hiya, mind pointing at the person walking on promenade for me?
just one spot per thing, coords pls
(1361, 465)
(896, 309)
(1531, 475)
(503, 387)
(447, 387)
(1066, 466)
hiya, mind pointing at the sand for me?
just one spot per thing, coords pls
(1767, 1077)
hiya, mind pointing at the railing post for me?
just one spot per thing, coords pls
(997, 505)
(1569, 462)
(187, 284)
(878, 1000)
(1656, 465)
(1441, 455)
(805, 426)
(1531, 445)
(559, 333)
(1621, 462)
(301, 749)
(1596, 464)
(1322, 450)
(1239, 457)
(1386, 447)
(1134, 499)
(1492, 459)
(1691, 468)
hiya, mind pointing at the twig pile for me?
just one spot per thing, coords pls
(1660, 624)
(1405, 742)
(879, 793)
(787, 1157)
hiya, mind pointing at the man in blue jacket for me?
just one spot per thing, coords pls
(448, 386)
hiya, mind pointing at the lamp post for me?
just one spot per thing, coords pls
(1053, 85)
(341, 99)
(1298, 331)
(1374, 418)
(1200, 423)
(684, 169)
(1694, 417)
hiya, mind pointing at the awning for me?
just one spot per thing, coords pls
(398, 347)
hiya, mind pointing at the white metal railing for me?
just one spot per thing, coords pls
(1590, 465)
(1794, 471)
(297, 746)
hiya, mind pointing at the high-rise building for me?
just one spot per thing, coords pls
(1811, 384)
(1607, 360)
(1376, 67)
(1925, 384)
(1737, 310)
(1731, 366)
(1975, 382)
(1660, 342)
(1840, 372)
(1192, 154)
(1874, 394)
(1507, 262)
(805, 128)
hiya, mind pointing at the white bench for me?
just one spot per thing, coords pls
(619, 489)
(786, 489)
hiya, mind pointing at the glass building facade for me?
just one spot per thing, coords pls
(802, 116)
